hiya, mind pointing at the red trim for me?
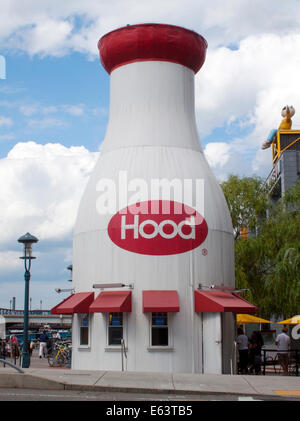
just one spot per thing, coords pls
(112, 302)
(152, 41)
(75, 303)
(221, 301)
(160, 301)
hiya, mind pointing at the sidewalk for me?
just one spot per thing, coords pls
(41, 376)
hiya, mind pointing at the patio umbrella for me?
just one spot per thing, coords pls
(247, 318)
(292, 321)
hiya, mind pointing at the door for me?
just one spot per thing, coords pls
(212, 343)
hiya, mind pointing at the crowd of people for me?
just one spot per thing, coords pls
(250, 351)
(10, 346)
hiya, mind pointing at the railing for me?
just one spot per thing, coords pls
(277, 148)
(11, 365)
(10, 312)
(123, 352)
(293, 360)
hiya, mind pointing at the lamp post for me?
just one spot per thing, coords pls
(70, 268)
(27, 240)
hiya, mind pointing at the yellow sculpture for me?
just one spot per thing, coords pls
(287, 112)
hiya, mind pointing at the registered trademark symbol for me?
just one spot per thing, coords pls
(204, 252)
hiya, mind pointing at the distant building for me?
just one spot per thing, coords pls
(286, 163)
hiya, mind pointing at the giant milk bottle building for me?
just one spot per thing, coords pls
(144, 258)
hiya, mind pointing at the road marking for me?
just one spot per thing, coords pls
(247, 398)
(287, 392)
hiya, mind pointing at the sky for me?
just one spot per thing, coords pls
(54, 99)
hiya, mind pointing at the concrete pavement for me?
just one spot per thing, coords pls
(41, 376)
(149, 382)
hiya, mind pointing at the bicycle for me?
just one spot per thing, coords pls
(59, 355)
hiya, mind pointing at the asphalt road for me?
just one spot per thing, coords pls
(32, 395)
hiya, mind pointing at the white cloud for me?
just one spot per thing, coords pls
(6, 137)
(254, 80)
(224, 160)
(51, 109)
(44, 37)
(44, 123)
(244, 87)
(29, 110)
(9, 260)
(50, 28)
(5, 121)
(74, 110)
(42, 189)
(248, 87)
(217, 153)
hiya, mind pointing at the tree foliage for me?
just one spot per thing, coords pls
(247, 201)
(268, 263)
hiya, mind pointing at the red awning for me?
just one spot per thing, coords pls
(220, 302)
(160, 301)
(75, 303)
(112, 302)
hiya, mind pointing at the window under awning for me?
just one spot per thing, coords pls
(75, 303)
(112, 302)
(160, 301)
(221, 301)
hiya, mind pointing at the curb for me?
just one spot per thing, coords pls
(28, 381)
(32, 381)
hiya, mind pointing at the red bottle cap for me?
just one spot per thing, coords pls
(152, 42)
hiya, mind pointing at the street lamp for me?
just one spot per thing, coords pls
(27, 240)
(70, 268)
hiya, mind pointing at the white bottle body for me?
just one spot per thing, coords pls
(151, 135)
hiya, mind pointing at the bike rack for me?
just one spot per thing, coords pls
(11, 365)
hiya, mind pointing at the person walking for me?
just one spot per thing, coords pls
(14, 347)
(57, 336)
(256, 343)
(243, 344)
(43, 344)
(283, 343)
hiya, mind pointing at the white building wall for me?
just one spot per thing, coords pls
(151, 134)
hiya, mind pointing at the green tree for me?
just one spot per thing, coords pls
(247, 201)
(267, 264)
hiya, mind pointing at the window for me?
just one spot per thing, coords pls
(115, 328)
(84, 329)
(159, 329)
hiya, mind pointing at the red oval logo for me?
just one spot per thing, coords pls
(158, 227)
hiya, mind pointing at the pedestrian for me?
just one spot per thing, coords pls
(43, 344)
(50, 344)
(14, 346)
(14, 339)
(56, 335)
(256, 343)
(31, 347)
(2, 348)
(8, 348)
(243, 348)
(283, 343)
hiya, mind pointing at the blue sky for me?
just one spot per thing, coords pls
(54, 109)
(54, 99)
